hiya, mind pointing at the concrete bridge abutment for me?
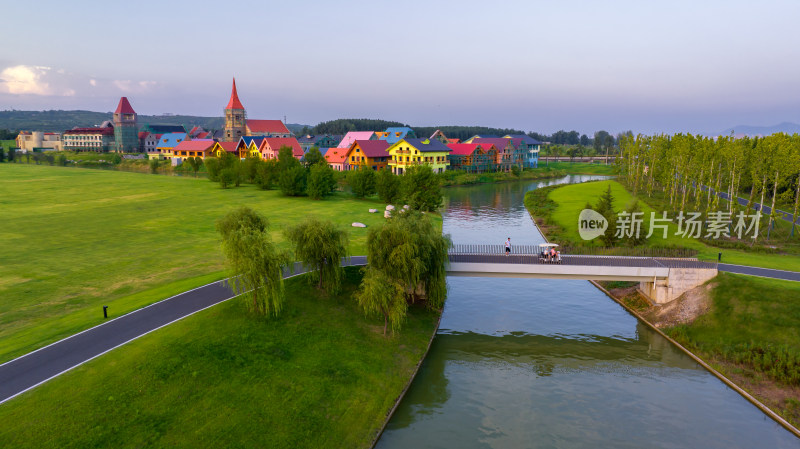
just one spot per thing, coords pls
(677, 282)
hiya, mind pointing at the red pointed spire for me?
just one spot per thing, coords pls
(234, 102)
(124, 107)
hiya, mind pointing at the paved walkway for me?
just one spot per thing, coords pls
(762, 272)
(21, 374)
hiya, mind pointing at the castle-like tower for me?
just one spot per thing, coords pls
(235, 118)
(126, 133)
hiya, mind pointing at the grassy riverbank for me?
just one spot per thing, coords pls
(557, 209)
(320, 375)
(73, 240)
(581, 168)
(459, 178)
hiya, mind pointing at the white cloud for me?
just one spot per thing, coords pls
(129, 86)
(23, 79)
(93, 82)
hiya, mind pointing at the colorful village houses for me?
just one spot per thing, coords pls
(220, 148)
(508, 152)
(237, 124)
(248, 146)
(530, 148)
(336, 157)
(410, 152)
(271, 146)
(367, 153)
(472, 157)
(201, 148)
(394, 134)
(324, 141)
(352, 136)
(167, 143)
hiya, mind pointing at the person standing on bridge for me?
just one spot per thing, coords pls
(508, 246)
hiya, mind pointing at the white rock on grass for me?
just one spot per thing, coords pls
(359, 225)
(372, 211)
(387, 214)
(389, 207)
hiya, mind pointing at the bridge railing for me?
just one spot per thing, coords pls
(488, 249)
(576, 260)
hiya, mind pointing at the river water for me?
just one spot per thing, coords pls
(521, 363)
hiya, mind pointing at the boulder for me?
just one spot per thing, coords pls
(387, 214)
(372, 211)
(389, 207)
(359, 225)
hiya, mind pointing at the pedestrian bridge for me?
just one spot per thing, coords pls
(662, 279)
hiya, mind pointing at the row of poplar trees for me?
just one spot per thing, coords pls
(689, 169)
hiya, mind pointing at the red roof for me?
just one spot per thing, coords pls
(234, 102)
(373, 148)
(267, 126)
(106, 131)
(463, 149)
(124, 107)
(143, 135)
(194, 145)
(453, 140)
(336, 155)
(276, 143)
(203, 135)
(230, 147)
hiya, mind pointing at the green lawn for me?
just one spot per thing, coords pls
(320, 375)
(571, 199)
(581, 168)
(74, 239)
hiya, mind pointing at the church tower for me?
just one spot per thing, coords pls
(235, 119)
(126, 133)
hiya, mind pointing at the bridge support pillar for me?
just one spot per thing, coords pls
(679, 281)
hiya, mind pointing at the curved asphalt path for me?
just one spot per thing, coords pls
(30, 370)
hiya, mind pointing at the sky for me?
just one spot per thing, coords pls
(647, 66)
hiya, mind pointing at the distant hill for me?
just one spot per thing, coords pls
(785, 127)
(57, 121)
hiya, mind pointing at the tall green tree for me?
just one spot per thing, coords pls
(154, 164)
(321, 181)
(267, 173)
(292, 181)
(2, 154)
(410, 250)
(320, 245)
(212, 168)
(387, 185)
(362, 181)
(421, 188)
(605, 206)
(254, 263)
(382, 295)
(313, 157)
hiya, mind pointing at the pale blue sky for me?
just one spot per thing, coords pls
(538, 66)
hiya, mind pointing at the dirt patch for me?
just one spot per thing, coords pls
(684, 310)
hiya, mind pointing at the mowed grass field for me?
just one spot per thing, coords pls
(320, 375)
(73, 240)
(571, 199)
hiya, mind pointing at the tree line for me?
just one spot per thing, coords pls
(686, 168)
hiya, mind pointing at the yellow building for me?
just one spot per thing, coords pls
(369, 153)
(406, 153)
(249, 146)
(220, 147)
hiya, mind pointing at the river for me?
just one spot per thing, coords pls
(521, 363)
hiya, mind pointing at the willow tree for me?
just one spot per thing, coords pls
(382, 295)
(255, 264)
(320, 245)
(412, 252)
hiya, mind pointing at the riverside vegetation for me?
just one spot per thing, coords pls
(317, 375)
(750, 329)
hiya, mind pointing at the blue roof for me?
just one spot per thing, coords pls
(248, 139)
(323, 151)
(170, 140)
(393, 134)
(432, 145)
